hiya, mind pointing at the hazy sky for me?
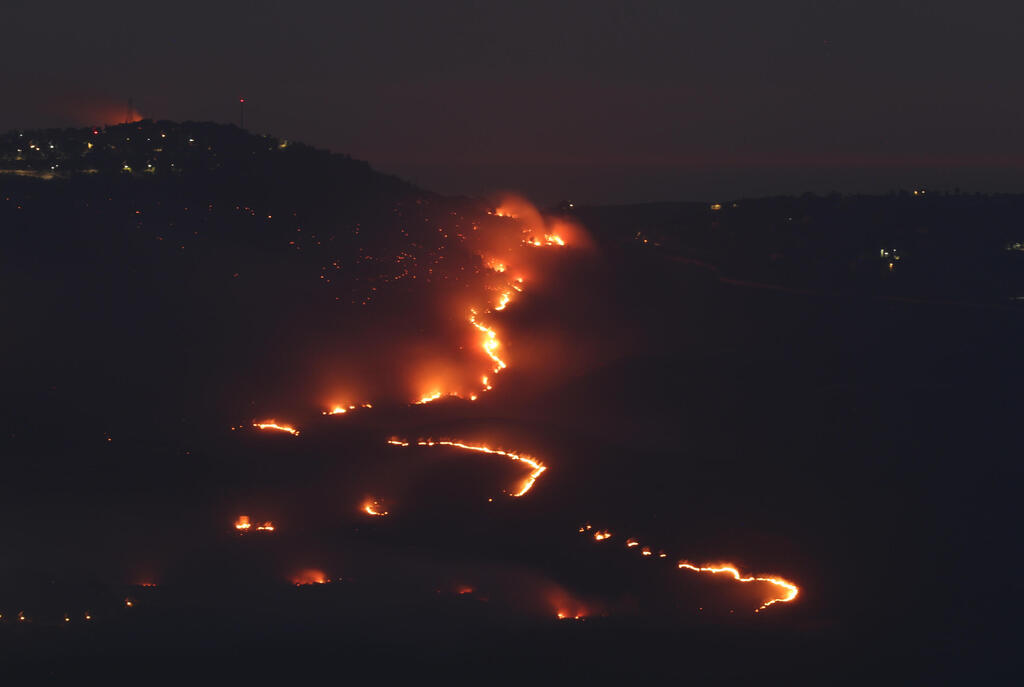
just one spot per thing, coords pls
(595, 100)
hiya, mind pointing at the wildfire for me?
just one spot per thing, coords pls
(243, 524)
(270, 424)
(503, 300)
(790, 590)
(537, 467)
(373, 507)
(548, 240)
(310, 576)
(490, 344)
(341, 410)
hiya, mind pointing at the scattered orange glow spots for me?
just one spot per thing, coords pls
(341, 410)
(645, 551)
(373, 507)
(567, 615)
(465, 590)
(310, 576)
(243, 524)
(791, 590)
(602, 535)
(537, 470)
(632, 542)
(129, 603)
(270, 424)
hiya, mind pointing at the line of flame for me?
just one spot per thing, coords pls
(270, 424)
(538, 468)
(791, 590)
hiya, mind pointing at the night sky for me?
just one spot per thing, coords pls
(594, 101)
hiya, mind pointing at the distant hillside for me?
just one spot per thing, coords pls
(197, 246)
(165, 148)
(910, 244)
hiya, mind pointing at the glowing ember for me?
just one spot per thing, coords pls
(266, 527)
(373, 507)
(602, 535)
(341, 410)
(537, 467)
(270, 424)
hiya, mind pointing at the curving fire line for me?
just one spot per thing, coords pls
(492, 347)
(791, 591)
(538, 468)
(373, 507)
(489, 342)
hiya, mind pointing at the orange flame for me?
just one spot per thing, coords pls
(271, 424)
(791, 590)
(372, 507)
(243, 524)
(570, 615)
(341, 410)
(538, 468)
